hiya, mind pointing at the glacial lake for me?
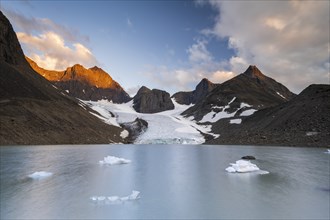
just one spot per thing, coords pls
(174, 181)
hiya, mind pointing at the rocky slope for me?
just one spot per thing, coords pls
(201, 91)
(152, 101)
(249, 90)
(302, 121)
(86, 84)
(33, 111)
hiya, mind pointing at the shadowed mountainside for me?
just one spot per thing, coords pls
(251, 87)
(302, 121)
(33, 111)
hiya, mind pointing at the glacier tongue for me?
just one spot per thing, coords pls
(167, 127)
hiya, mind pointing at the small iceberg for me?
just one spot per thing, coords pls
(40, 175)
(244, 166)
(328, 151)
(116, 199)
(111, 160)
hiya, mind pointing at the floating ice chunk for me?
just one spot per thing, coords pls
(115, 199)
(134, 195)
(230, 170)
(244, 166)
(327, 152)
(40, 175)
(111, 160)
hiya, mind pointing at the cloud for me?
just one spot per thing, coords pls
(31, 25)
(287, 40)
(198, 52)
(201, 64)
(51, 45)
(50, 51)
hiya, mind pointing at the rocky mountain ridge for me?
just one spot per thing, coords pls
(86, 84)
(253, 88)
(203, 88)
(33, 111)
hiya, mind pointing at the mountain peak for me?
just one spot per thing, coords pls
(254, 72)
(204, 85)
(96, 68)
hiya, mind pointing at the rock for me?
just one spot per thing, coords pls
(135, 128)
(200, 92)
(152, 101)
(248, 158)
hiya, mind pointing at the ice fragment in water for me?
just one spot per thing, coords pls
(40, 175)
(111, 160)
(244, 166)
(115, 199)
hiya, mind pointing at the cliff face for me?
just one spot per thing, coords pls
(33, 111)
(86, 84)
(152, 101)
(201, 91)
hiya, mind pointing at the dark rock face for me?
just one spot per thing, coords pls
(32, 111)
(135, 128)
(152, 101)
(302, 121)
(86, 84)
(251, 87)
(200, 92)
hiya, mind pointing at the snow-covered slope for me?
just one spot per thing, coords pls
(167, 127)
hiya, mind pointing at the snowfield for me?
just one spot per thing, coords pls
(167, 127)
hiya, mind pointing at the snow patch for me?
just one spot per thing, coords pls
(40, 175)
(248, 112)
(111, 160)
(124, 134)
(235, 121)
(280, 95)
(244, 166)
(116, 199)
(311, 133)
(216, 116)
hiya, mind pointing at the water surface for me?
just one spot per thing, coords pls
(175, 181)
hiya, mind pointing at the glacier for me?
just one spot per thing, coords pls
(167, 127)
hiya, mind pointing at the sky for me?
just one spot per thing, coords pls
(172, 45)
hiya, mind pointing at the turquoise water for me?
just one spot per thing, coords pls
(174, 181)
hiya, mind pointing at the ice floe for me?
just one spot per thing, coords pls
(111, 160)
(40, 175)
(244, 166)
(328, 151)
(115, 199)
